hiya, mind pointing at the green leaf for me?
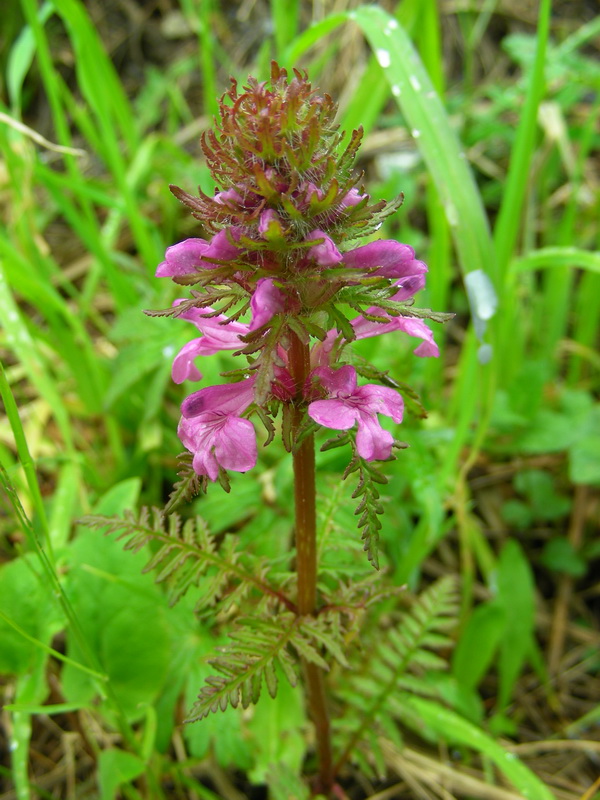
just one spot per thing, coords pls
(116, 767)
(517, 514)
(560, 555)
(27, 604)
(584, 455)
(124, 614)
(285, 784)
(545, 502)
(515, 596)
(548, 432)
(476, 647)
(220, 733)
(435, 136)
(548, 257)
(21, 57)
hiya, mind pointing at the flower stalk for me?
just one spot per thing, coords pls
(306, 559)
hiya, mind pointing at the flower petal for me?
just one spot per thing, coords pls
(221, 248)
(267, 300)
(377, 399)
(229, 398)
(373, 443)
(236, 445)
(407, 287)
(333, 414)
(219, 332)
(414, 327)
(184, 258)
(325, 253)
(183, 368)
(395, 260)
(338, 382)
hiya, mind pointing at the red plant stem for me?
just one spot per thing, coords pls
(306, 559)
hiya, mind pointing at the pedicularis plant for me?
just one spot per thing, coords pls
(279, 252)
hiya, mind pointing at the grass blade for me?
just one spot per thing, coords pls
(451, 727)
(430, 126)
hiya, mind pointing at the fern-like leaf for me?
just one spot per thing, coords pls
(259, 647)
(396, 662)
(188, 555)
(189, 485)
(369, 507)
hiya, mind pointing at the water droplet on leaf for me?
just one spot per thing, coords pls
(383, 57)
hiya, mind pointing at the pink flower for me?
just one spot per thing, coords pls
(230, 197)
(219, 440)
(393, 259)
(349, 404)
(352, 198)
(187, 257)
(184, 258)
(270, 225)
(414, 327)
(267, 300)
(229, 398)
(324, 253)
(213, 431)
(364, 328)
(220, 247)
(411, 325)
(219, 334)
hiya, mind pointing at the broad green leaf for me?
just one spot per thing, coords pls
(560, 555)
(25, 602)
(515, 596)
(123, 613)
(544, 499)
(477, 644)
(116, 767)
(584, 455)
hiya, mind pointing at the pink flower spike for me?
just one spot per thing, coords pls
(218, 439)
(395, 260)
(266, 301)
(325, 253)
(184, 258)
(349, 404)
(229, 398)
